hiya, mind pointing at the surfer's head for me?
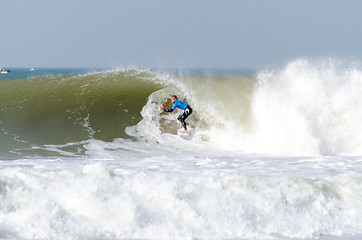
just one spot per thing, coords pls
(173, 98)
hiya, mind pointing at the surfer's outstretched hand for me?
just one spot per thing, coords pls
(162, 108)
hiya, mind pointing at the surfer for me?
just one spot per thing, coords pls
(182, 105)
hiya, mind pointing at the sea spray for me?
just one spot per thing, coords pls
(309, 108)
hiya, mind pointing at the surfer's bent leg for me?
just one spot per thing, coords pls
(184, 115)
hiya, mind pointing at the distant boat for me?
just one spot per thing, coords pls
(32, 69)
(2, 70)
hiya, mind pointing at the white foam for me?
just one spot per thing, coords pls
(183, 198)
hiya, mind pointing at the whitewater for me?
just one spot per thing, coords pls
(276, 154)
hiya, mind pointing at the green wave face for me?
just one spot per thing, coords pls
(63, 109)
(67, 111)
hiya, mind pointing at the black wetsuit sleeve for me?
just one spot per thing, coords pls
(169, 110)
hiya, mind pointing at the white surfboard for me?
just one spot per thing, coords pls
(187, 135)
(183, 135)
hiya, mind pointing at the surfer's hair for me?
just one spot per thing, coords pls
(174, 96)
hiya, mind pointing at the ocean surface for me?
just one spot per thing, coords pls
(274, 153)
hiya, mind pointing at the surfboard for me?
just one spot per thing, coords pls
(183, 135)
(187, 135)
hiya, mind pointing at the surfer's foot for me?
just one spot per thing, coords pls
(184, 131)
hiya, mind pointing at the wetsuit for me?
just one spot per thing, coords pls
(184, 106)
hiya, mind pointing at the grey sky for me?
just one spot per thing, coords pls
(183, 33)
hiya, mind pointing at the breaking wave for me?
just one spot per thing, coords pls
(306, 108)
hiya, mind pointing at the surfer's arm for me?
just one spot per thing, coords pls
(169, 110)
(166, 110)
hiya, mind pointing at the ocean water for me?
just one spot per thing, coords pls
(21, 73)
(275, 153)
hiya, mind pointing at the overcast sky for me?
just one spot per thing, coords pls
(177, 33)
